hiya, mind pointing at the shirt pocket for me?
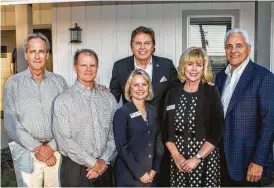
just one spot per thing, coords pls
(106, 118)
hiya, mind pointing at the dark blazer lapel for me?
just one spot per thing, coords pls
(156, 72)
(244, 79)
(133, 109)
(149, 115)
(130, 66)
(126, 69)
(223, 77)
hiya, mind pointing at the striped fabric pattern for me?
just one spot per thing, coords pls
(82, 124)
(28, 107)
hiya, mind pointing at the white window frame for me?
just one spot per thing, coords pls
(207, 16)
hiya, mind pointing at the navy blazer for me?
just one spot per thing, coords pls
(162, 68)
(139, 145)
(249, 121)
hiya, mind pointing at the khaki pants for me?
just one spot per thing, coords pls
(31, 172)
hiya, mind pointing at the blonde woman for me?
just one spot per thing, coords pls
(137, 135)
(193, 124)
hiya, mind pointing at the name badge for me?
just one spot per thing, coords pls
(170, 107)
(135, 114)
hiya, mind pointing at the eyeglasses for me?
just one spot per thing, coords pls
(237, 47)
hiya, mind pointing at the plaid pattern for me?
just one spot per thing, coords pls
(249, 121)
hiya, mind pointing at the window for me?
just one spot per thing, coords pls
(209, 33)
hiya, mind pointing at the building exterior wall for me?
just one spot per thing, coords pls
(107, 27)
(41, 16)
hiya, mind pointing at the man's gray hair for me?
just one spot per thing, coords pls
(240, 31)
(33, 36)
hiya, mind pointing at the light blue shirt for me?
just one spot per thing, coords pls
(28, 108)
(82, 124)
(231, 83)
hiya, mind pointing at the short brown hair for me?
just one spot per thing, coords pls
(85, 51)
(129, 82)
(195, 54)
(142, 29)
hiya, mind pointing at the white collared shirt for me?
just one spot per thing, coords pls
(231, 82)
(148, 69)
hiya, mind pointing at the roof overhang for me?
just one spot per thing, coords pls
(16, 2)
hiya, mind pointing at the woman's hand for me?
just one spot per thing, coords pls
(179, 160)
(152, 174)
(190, 164)
(145, 178)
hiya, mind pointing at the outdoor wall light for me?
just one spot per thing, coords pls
(75, 34)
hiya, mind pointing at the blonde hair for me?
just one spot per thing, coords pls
(195, 54)
(129, 82)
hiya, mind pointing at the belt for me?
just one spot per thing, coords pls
(181, 133)
(44, 142)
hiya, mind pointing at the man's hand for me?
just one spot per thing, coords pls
(254, 172)
(43, 152)
(102, 87)
(91, 174)
(51, 161)
(151, 175)
(145, 178)
(99, 166)
(190, 164)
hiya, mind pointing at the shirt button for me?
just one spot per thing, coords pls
(148, 132)
(149, 156)
(149, 144)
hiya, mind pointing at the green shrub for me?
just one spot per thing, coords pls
(8, 178)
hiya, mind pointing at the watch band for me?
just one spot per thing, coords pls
(198, 156)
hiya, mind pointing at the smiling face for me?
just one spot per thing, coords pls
(86, 69)
(194, 71)
(142, 47)
(139, 88)
(237, 50)
(36, 54)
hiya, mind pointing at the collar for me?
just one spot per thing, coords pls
(28, 73)
(137, 66)
(85, 89)
(239, 69)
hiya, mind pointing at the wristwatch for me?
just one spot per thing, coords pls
(198, 156)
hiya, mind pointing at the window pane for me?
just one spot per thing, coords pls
(209, 33)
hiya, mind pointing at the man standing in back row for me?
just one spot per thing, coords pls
(161, 71)
(247, 96)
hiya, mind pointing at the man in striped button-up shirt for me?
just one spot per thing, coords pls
(82, 126)
(28, 100)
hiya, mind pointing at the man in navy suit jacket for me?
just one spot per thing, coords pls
(161, 71)
(247, 91)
